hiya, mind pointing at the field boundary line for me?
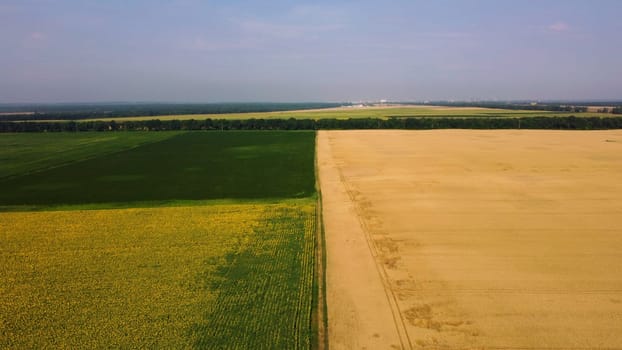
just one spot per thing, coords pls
(319, 316)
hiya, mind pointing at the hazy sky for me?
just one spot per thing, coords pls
(213, 51)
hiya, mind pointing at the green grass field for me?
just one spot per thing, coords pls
(191, 165)
(174, 268)
(23, 153)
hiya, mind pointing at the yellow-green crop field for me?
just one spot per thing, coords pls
(366, 112)
(211, 276)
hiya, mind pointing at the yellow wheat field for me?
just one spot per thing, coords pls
(124, 278)
(473, 239)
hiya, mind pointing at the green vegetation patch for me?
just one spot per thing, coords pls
(265, 288)
(187, 166)
(27, 152)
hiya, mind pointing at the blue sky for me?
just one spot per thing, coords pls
(214, 51)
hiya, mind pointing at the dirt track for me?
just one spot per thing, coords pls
(473, 239)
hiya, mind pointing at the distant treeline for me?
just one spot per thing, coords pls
(573, 107)
(420, 123)
(93, 111)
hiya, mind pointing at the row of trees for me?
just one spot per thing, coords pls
(572, 107)
(612, 110)
(94, 111)
(563, 123)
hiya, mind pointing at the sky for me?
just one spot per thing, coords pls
(285, 51)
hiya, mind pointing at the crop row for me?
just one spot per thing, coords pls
(264, 291)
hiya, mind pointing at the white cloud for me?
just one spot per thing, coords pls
(559, 27)
(284, 31)
(317, 13)
(38, 36)
(34, 40)
(200, 43)
(445, 35)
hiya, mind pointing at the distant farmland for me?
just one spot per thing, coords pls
(372, 112)
(357, 112)
(341, 118)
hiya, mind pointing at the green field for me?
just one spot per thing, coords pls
(23, 153)
(185, 166)
(213, 247)
(367, 112)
